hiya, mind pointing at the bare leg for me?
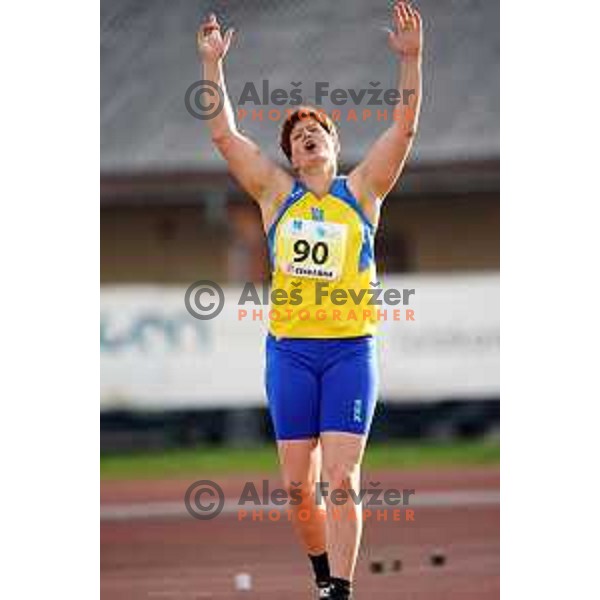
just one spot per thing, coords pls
(342, 455)
(301, 463)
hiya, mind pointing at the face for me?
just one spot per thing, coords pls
(311, 145)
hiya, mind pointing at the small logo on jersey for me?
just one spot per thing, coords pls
(317, 214)
(358, 411)
(321, 231)
(297, 225)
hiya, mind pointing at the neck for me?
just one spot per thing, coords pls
(318, 180)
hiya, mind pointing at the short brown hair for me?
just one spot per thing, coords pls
(303, 112)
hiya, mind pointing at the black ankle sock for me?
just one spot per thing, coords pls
(340, 589)
(320, 566)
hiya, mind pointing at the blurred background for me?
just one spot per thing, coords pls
(182, 399)
(171, 215)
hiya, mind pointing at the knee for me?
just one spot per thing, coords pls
(299, 492)
(342, 476)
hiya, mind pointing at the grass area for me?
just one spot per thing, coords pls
(210, 461)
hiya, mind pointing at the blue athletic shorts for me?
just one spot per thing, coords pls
(318, 385)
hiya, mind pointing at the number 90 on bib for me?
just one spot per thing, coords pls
(314, 249)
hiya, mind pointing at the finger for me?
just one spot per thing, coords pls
(210, 26)
(417, 17)
(207, 34)
(211, 21)
(399, 21)
(409, 22)
(391, 38)
(403, 7)
(227, 38)
(414, 15)
(403, 17)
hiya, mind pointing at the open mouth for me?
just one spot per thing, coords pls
(310, 145)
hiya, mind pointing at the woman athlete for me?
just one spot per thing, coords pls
(321, 371)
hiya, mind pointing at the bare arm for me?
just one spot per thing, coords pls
(263, 179)
(377, 174)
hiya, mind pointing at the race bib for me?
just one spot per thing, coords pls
(314, 249)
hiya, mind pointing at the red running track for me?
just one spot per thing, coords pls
(180, 557)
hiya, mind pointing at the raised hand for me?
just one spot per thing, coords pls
(407, 39)
(213, 46)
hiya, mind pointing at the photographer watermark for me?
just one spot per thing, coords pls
(204, 100)
(204, 500)
(205, 300)
(373, 95)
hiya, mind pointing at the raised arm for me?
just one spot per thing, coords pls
(263, 179)
(377, 174)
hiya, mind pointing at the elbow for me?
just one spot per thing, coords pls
(404, 135)
(406, 126)
(221, 139)
(407, 130)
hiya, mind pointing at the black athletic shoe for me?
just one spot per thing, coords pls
(324, 592)
(340, 589)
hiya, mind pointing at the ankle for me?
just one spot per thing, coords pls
(341, 589)
(320, 564)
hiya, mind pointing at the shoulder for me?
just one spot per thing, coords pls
(280, 195)
(368, 204)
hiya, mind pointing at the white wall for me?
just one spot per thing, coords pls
(154, 355)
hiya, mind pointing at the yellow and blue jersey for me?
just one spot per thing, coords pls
(321, 250)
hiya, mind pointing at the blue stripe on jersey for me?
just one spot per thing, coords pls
(296, 194)
(339, 189)
(367, 252)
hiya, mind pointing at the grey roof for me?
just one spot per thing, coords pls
(149, 61)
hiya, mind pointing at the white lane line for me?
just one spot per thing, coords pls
(154, 510)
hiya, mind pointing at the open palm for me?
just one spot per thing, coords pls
(211, 44)
(408, 35)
